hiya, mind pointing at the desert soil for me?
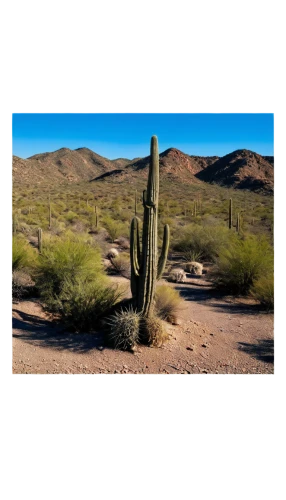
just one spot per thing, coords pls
(215, 335)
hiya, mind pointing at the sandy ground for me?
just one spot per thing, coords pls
(215, 335)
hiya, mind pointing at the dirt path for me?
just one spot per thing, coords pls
(216, 335)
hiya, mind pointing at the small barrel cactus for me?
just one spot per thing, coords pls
(194, 268)
(177, 275)
(112, 253)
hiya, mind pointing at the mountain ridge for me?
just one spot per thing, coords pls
(241, 169)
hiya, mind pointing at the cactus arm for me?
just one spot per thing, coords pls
(146, 204)
(164, 252)
(134, 238)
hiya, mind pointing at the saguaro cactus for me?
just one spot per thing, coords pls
(40, 240)
(50, 213)
(145, 267)
(230, 214)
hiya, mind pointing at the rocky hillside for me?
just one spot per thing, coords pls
(242, 169)
(62, 165)
(173, 165)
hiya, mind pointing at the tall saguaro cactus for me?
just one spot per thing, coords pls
(145, 267)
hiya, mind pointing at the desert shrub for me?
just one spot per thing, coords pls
(82, 304)
(123, 243)
(152, 332)
(115, 228)
(202, 242)
(23, 255)
(263, 290)
(22, 284)
(123, 329)
(71, 217)
(242, 263)
(65, 259)
(121, 264)
(168, 303)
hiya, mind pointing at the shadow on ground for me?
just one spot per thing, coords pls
(263, 350)
(45, 333)
(219, 300)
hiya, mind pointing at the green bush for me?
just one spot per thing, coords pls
(263, 290)
(242, 263)
(65, 259)
(203, 241)
(23, 255)
(115, 228)
(82, 303)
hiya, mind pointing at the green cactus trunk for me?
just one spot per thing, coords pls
(145, 268)
(40, 240)
(230, 214)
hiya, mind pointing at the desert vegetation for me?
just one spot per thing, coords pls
(70, 241)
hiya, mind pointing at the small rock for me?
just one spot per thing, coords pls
(126, 367)
(212, 334)
(100, 348)
(189, 348)
(204, 345)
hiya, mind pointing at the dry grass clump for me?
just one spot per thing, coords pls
(121, 264)
(22, 284)
(152, 332)
(168, 303)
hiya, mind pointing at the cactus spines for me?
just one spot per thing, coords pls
(230, 214)
(40, 240)
(145, 268)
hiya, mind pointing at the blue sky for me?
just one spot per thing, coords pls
(128, 135)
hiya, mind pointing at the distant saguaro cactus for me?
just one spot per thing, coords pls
(145, 267)
(50, 213)
(230, 214)
(40, 240)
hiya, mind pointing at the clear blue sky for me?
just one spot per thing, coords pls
(128, 135)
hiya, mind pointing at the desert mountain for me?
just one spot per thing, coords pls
(242, 169)
(173, 165)
(61, 165)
